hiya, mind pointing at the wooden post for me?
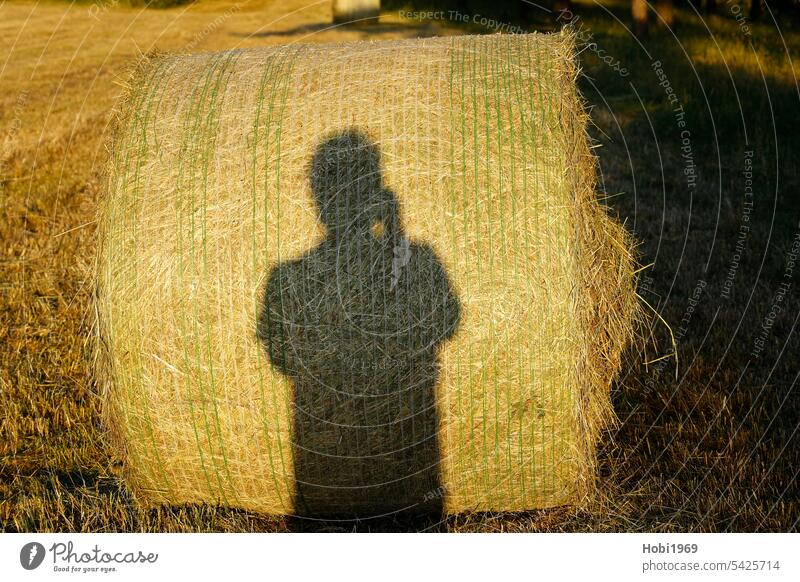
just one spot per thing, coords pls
(356, 11)
(639, 13)
(664, 10)
(755, 9)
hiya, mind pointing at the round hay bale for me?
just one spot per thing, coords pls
(361, 278)
(356, 11)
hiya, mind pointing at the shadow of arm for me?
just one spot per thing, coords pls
(271, 329)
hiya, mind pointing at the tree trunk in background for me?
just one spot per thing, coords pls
(639, 13)
(755, 9)
(664, 10)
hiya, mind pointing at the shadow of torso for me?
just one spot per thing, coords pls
(355, 324)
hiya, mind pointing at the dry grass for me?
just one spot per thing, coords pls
(715, 449)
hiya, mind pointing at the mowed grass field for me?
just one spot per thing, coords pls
(697, 156)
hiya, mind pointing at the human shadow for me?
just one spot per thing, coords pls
(356, 324)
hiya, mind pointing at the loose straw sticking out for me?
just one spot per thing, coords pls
(352, 279)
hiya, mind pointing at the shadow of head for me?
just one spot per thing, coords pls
(346, 182)
(355, 324)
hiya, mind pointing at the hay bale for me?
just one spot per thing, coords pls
(356, 11)
(358, 278)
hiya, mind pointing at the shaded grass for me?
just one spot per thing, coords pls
(715, 449)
